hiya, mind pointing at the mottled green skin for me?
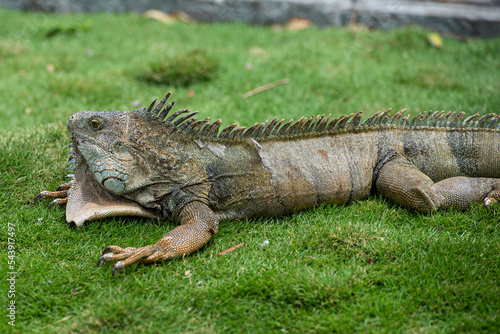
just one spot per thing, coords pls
(163, 169)
(285, 174)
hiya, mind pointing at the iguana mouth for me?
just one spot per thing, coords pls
(88, 200)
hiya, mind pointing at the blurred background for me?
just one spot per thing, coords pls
(480, 18)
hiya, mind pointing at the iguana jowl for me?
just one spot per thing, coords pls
(146, 163)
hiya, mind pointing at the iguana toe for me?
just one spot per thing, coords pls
(52, 194)
(118, 266)
(58, 201)
(105, 257)
(129, 255)
(492, 197)
(64, 186)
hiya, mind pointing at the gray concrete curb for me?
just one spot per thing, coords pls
(479, 18)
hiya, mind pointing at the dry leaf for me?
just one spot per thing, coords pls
(166, 18)
(435, 40)
(277, 27)
(297, 23)
(159, 16)
(50, 68)
(183, 17)
(63, 319)
(187, 273)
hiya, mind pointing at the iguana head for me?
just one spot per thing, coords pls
(118, 167)
(98, 137)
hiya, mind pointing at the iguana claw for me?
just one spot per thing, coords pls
(119, 265)
(58, 201)
(129, 255)
(493, 197)
(104, 258)
(488, 201)
(60, 195)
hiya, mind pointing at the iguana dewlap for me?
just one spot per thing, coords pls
(146, 163)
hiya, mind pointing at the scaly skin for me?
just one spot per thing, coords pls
(142, 163)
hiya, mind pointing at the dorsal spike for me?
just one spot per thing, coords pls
(300, 128)
(424, 117)
(414, 120)
(151, 105)
(450, 118)
(405, 121)
(161, 103)
(277, 128)
(213, 131)
(269, 127)
(227, 130)
(430, 120)
(175, 114)
(468, 121)
(259, 130)
(436, 117)
(237, 133)
(385, 116)
(163, 114)
(370, 120)
(250, 131)
(355, 119)
(316, 123)
(491, 124)
(183, 118)
(457, 121)
(196, 126)
(330, 126)
(324, 122)
(482, 120)
(343, 121)
(394, 119)
(307, 124)
(285, 128)
(187, 123)
(441, 118)
(203, 132)
(295, 127)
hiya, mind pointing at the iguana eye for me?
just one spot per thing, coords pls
(95, 124)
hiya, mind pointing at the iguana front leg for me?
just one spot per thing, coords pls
(199, 223)
(400, 181)
(60, 195)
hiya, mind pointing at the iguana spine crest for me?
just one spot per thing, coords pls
(305, 127)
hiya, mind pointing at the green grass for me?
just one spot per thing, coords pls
(370, 267)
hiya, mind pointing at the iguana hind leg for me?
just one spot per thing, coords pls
(199, 223)
(400, 181)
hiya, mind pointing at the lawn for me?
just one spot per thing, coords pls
(371, 266)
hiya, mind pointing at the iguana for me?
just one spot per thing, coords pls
(147, 163)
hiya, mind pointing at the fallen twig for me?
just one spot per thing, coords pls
(230, 249)
(266, 87)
